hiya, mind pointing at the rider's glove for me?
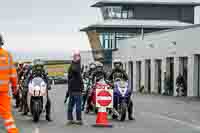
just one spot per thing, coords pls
(65, 100)
(14, 91)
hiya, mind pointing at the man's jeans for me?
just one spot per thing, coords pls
(74, 100)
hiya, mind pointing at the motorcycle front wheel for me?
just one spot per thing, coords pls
(122, 114)
(36, 111)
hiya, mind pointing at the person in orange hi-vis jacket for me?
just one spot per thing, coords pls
(7, 75)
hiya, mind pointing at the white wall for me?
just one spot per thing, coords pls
(187, 43)
(197, 15)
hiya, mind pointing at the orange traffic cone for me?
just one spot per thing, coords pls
(102, 118)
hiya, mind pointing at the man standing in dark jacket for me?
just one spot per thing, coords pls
(75, 87)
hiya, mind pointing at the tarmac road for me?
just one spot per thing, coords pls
(154, 114)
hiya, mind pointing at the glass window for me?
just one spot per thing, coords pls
(112, 12)
(130, 13)
(105, 12)
(124, 14)
(116, 12)
(106, 43)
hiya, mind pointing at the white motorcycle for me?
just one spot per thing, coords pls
(37, 95)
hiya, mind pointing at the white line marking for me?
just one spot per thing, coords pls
(104, 98)
(195, 126)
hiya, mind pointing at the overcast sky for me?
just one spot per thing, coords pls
(46, 24)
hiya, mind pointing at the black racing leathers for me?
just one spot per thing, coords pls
(118, 73)
(98, 75)
(17, 97)
(87, 76)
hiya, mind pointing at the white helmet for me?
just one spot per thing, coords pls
(98, 64)
(92, 65)
(117, 63)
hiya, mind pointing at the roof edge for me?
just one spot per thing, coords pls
(104, 3)
(174, 29)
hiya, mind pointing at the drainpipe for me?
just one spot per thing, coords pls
(142, 33)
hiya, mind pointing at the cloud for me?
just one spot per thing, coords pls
(47, 41)
(36, 26)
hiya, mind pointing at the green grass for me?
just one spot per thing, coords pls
(65, 66)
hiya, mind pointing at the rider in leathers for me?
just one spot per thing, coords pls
(39, 71)
(98, 74)
(118, 72)
(19, 74)
(88, 74)
(25, 89)
(22, 77)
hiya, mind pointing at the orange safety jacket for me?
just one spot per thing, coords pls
(8, 73)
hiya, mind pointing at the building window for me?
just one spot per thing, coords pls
(131, 13)
(124, 14)
(118, 12)
(110, 40)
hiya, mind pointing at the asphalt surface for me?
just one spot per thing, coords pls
(154, 114)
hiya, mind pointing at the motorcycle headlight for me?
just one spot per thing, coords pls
(122, 84)
(43, 90)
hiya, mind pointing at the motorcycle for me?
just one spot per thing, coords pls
(37, 95)
(101, 84)
(122, 94)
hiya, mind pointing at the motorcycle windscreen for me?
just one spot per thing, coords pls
(37, 87)
(122, 88)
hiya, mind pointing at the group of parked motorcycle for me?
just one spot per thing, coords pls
(32, 92)
(121, 95)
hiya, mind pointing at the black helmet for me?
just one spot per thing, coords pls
(99, 66)
(1, 40)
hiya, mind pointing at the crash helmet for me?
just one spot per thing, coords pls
(38, 62)
(25, 67)
(20, 64)
(99, 66)
(117, 64)
(92, 66)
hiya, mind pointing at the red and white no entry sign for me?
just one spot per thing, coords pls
(104, 98)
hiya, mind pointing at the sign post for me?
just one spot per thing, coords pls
(104, 100)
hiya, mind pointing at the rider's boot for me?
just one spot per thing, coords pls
(130, 111)
(48, 110)
(17, 100)
(88, 105)
(21, 106)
